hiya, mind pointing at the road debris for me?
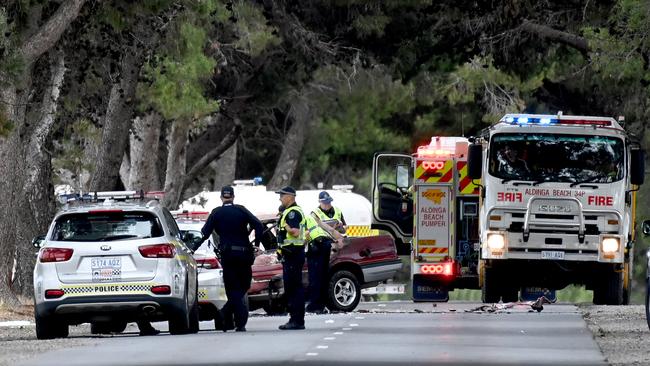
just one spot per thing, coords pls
(537, 305)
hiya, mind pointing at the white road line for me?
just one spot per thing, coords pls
(329, 338)
(338, 333)
(322, 347)
(354, 325)
(311, 354)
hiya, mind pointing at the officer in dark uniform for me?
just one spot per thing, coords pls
(231, 222)
(291, 242)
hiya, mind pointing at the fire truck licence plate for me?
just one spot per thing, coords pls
(552, 254)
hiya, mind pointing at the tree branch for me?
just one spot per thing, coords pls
(51, 31)
(569, 39)
(213, 154)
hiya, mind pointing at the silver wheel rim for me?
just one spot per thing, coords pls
(345, 292)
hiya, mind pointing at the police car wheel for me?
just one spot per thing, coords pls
(179, 320)
(50, 328)
(194, 314)
(647, 301)
(344, 291)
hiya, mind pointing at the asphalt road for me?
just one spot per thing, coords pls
(378, 334)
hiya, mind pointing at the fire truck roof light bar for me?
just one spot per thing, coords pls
(526, 120)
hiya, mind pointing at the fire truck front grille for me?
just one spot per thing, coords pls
(554, 217)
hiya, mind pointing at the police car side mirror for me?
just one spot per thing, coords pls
(646, 227)
(38, 241)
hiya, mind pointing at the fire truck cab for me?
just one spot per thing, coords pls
(430, 205)
(558, 205)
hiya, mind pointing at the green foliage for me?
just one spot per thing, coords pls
(71, 154)
(254, 34)
(177, 91)
(370, 25)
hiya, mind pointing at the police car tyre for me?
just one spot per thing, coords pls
(344, 291)
(490, 291)
(179, 320)
(647, 301)
(107, 327)
(194, 313)
(49, 327)
(609, 290)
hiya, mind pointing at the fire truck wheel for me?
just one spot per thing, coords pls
(609, 290)
(490, 292)
(344, 291)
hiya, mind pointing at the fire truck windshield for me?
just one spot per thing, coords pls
(544, 157)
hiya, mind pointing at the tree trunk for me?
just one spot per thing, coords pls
(293, 144)
(176, 163)
(25, 204)
(116, 125)
(144, 153)
(225, 168)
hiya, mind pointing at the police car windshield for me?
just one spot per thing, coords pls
(556, 158)
(106, 226)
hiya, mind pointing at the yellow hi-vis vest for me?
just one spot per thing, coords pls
(315, 231)
(290, 239)
(338, 215)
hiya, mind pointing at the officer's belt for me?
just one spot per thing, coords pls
(237, 248)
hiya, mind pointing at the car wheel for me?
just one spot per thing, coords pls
(50, 327)
(194, 315)
(344, 291)
(107, 327)
(647, 301)
(179, 320)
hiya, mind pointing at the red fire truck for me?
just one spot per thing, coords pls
(430, 206)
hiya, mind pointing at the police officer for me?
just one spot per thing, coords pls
(291, 242)
(325, 211)
(231, 223)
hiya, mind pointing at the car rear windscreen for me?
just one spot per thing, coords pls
(107, 226)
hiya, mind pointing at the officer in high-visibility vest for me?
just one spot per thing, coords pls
(318, 253)
(326, 212)
(291, 249)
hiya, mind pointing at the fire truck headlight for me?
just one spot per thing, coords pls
(496, 241)
(610, 245)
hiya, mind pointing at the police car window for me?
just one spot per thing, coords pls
(106, 226)
(171, 223)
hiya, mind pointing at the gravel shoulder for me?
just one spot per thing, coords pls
(621, 332)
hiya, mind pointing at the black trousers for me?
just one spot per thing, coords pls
(318, 262)
(237, 275)
(294, 260)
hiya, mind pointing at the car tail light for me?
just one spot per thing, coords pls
(55, 255)
(208, 263)
(444, 269)
(157, 251)
(54, 294)
(161, 290)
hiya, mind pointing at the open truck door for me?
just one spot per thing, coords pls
(392, 199)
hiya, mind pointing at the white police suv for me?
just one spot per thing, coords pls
(110, 258)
